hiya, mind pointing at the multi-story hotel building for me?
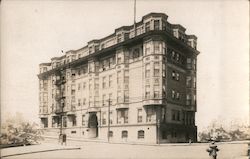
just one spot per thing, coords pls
(135, 85)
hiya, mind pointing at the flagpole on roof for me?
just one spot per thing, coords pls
(135, 16)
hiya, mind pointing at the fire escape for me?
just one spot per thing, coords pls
(60, 96)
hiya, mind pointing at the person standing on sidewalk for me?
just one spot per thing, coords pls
(60, 139)
(64, 138)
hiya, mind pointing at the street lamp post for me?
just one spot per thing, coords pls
(158, 131)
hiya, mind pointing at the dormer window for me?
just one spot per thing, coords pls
(176, 33)
(147, 26)
(164, 26)
(119, 38)
(156, 24)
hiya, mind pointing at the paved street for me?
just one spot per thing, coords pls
(104, 150)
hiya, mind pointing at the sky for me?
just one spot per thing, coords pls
(32, 32)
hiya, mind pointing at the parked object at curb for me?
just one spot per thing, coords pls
(212, 150)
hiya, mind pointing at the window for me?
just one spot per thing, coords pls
(136, 53)
(156, 91)
(173, 94)
(164, 25)
(177, 95)
(111, 117)
(188, 81)
(177, 76)
(178, 115)
(73, 120)
(84, 85)
(110, 80)
(119, 77)
(126, 96)
(103, 118)
(177, 57)
(163, 90)
(110, 133)
(85, 69)
(156, 47)
(139, 115)
(189, 61)
(188, 99)
(79, 72)
(119, 38)
(173, 75)
(141, 134)
(104, 100)
(156, 81)
(122, 116)
(110, 98)
(194, 82)
(194, 98)
(194, 64)
(96, 84)
(126, 79)
(147, 26)
(163, 70)
(173, 55)
(83, 120)
(157, 24)
(79, 102)
(163, 114)
(174, 115)
(44, 122)
(124, 134)
(104, 82)
(64, 121)
(147, 92)
(147, 70)
(73, 132)
(84, 101)
(164, 135)
(119, 96)
(156, 69)
(150, 114)
(119, 60)
(147, 48)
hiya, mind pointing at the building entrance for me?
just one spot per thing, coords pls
(93, 126)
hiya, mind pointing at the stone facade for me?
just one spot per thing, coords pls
(140, 86)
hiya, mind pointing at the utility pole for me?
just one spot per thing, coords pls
(108, 118)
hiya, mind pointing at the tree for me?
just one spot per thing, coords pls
(15, 130)
(219, 132)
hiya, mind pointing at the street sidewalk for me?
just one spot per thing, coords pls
(53, 139)
(44, 147)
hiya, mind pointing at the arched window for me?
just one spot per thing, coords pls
(140, 134)
(125, 134)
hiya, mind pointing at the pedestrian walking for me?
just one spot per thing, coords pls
(212, 150)
(189, 141)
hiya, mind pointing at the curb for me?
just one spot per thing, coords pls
(41, 151)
